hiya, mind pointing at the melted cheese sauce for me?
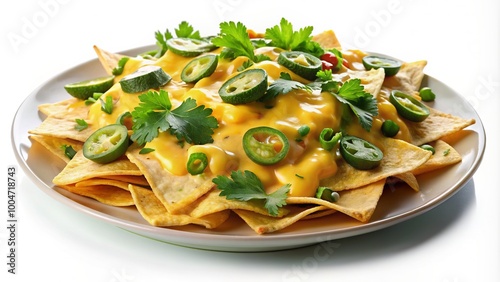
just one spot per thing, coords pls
(306, 163)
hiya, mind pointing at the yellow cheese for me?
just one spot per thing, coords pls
(306, 162)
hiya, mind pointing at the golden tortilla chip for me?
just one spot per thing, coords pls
(55, 145)
(139, 180)
(81, 168)
(108, 60)
(103, 181)
(445, 155)
(212, 202)
(62, 127)
(175, 192)
(371, 80)
(154, 212)
(327, 40)
(409, 77)
(436, 126)
(357, 203)
(61, 107)
(408, 178)
(399, 157)
(109, 195)
(266, 224)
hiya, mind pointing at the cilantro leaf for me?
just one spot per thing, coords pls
(183, 30)
(361, 103)
(192, 123)
(283, 85)
(187, 31)
(246, 186)
(189, 122)
(234, 37)
(283, 36)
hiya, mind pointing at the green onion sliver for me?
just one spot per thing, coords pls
(197, 162)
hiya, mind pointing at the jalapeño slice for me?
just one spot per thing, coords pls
(409, 107)
(301, 63)
(189, 47)
(106, 144)
(265, 145)
(199, 68)
(360, 153)
(390, 66)
(245, 87)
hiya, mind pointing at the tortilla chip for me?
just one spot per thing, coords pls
(103, 181)
(109, 195)
(266, 224)
(62, 127)
(408, 178)
(175, 192)
(154, 212)
(212, 202)
(108, 60)
(61, 107)
(54, 145)
(81, 168)
(327, 40)
(139, 180)
(399, 157)
(371, 80)
(409, 77)
(436, 126)
(445, 155)
(357, 203)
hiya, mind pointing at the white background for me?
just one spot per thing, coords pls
(456, 242)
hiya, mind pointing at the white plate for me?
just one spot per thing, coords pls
(396, 205)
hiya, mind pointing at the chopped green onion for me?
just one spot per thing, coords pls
(81, 124)
(107, 106)
(121, 64)
(146, 151)
(328, 139)
(68, 151)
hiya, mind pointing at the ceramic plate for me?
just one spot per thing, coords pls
(396, 205)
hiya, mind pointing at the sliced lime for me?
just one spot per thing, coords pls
(85, 89)
(145, 78)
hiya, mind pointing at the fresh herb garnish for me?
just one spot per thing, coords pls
(361, 103)
(184, 30)
(234, 37)
(81, 124)
(246, 186)
(188, 122)
(283, 85)
(283, 36)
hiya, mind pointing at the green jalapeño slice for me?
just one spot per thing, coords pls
(106, 144)
(390, 66)
(265, 145)
(408, 107)
(245, 87)
(199, 68)
(301, 63)
(360, 153)
(189, 47)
